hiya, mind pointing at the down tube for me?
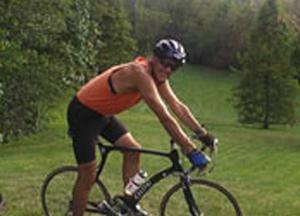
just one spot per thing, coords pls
(150, 183)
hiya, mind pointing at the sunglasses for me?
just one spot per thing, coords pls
(170, 63)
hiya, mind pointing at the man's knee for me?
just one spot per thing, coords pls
(127, 140)
(87, 174)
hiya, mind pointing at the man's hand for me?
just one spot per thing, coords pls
(198, 159)
(209, 141)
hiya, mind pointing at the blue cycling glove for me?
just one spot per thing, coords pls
(198, 159)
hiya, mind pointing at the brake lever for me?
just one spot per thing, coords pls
(215, 145)
(211, 157)
(212, 149)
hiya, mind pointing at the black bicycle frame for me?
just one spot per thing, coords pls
(176, 166)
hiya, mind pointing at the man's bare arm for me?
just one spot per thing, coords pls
(180, 109)
(150, 94)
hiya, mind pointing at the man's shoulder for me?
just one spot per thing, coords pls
(135, 67)
(132, 74)
(136, 70)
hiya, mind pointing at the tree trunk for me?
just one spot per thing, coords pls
(267, 102)
(133, 15)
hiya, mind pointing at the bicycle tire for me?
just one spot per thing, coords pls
(56, 191)
(211, 198)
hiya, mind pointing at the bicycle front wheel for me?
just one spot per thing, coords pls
(56, 192)
(211, 199)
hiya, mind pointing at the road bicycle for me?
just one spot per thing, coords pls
(190, 196)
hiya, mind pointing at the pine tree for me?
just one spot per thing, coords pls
(266, 92)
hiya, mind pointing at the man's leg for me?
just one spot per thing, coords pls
(85, 180)
(84, 128)
(131, 163)
(131, 160)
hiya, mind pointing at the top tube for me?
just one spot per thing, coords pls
(106, 148)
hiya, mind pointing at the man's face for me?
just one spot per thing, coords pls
(164, 68)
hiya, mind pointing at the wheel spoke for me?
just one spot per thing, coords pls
(57, 192)
(209, 199)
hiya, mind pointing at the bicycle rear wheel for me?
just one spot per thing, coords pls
(56, 192)
(211, 199)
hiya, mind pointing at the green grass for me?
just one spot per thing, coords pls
(260, 167)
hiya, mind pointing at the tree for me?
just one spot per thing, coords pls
(294, 9)
(212, 31)
(231, 27)
(118, 45)
(150, 26)
(296, 59)
(83, 42)
(46, 46)
(266, 92)
(31, 68)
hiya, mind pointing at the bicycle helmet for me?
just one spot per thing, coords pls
(170, 49)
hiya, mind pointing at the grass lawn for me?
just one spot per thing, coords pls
(260, 167)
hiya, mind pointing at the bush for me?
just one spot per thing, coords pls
(46, 46)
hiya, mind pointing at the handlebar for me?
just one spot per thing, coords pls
(203, 147)
(209, 151)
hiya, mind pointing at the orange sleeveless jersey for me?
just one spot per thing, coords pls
(97, 95)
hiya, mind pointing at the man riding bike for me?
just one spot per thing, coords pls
(92, 112)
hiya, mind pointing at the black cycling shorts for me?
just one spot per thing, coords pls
(85, 125)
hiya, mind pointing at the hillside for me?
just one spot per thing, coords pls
(259, 166)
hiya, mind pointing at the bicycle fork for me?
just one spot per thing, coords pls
(189, 198)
